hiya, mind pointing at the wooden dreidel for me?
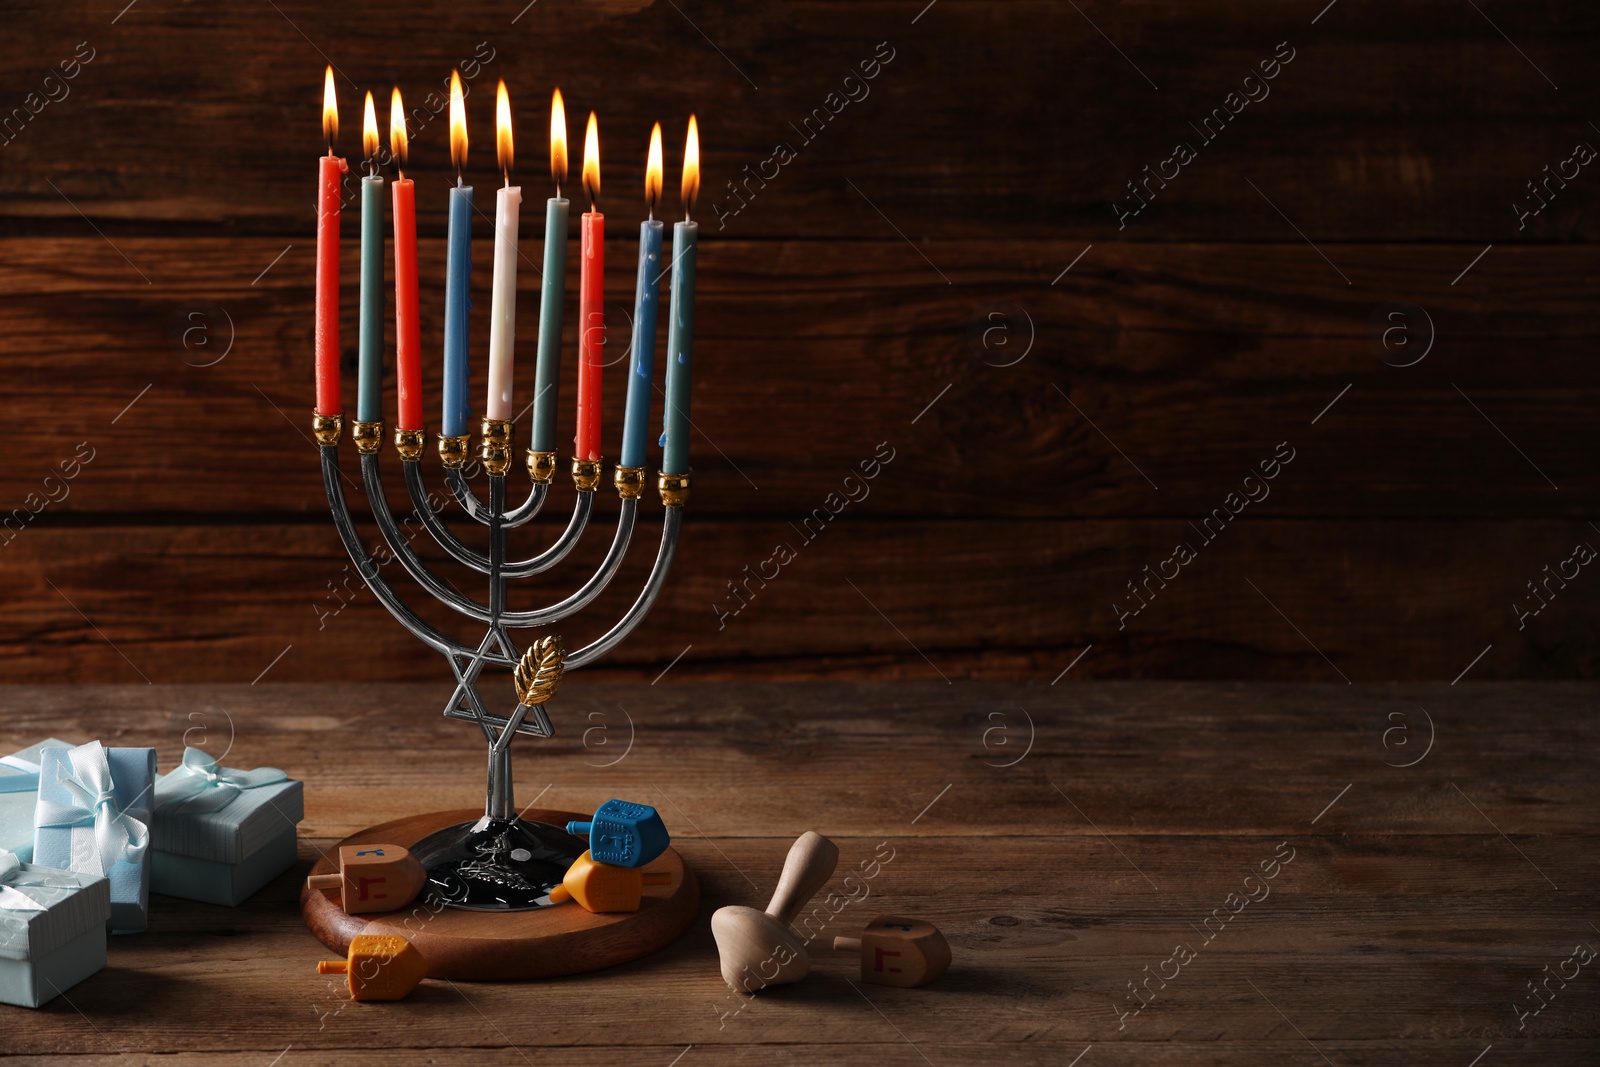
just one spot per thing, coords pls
(623, 834)
(758, 949)
(601, 887)
(379, 967)
(897, 951)
(373, 878)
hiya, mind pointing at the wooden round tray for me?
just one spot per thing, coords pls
(488, 945)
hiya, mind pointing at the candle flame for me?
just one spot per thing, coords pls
(591, 160)
(369, 129)
(558, 140)
(458, 124)
(502, 130)
(652, 171)
(330, 110)
(398, 143)
(691, 167)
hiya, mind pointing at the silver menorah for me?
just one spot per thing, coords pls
(501, 861)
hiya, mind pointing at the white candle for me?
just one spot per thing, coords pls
(503, 296)
(503, 301)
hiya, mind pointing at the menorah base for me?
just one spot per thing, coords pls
(474, 945)
(497, 864)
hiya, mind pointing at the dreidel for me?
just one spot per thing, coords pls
(374, 877)
(379, 967)
(898, 951)
(623, 834)
(600, 887)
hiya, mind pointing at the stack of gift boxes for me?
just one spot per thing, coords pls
(87, 832)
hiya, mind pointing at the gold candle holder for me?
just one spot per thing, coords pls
(541, 466)
(674, 489)
(409, 444)
(453, 450)
(586, 474)
(327, 428)
(368, 436)
(495, 451)
(629, 482)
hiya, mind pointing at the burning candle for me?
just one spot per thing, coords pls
(680, 315)
(458, 268)
(642, 368)
(591, 294)
(407, 326)
(369, 339)
(503, 298)
(552, 291)
(329, 174)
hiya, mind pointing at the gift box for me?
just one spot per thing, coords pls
(93, 817)
(219, 834)
(52, 930)
(19, 794)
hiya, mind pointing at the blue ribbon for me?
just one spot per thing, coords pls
(201, 786)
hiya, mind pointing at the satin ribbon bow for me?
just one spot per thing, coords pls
(13, 880)
(202, 786)
(117, 835)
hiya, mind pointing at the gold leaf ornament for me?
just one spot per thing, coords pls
(540, 670)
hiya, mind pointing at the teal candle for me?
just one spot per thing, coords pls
(680, 348)
(369, 389)
(457, 300)
(641, 373)
(552, 301)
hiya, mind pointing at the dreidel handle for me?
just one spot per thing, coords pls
(325, 881)
(582, 829)
(847, 944)
(333, 966)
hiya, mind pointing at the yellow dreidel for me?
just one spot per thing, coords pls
(374, 877)
(379, 967)
(601, 887)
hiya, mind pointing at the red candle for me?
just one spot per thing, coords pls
(591, 309)
(330, 172)
(407, 328)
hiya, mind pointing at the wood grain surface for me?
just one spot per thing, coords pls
(1368, 264)
(1064, 839)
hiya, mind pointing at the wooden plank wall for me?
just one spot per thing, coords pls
(1346, 284)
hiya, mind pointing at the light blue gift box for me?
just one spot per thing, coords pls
(52, 930)
(93, 817)
(19, 793)
(220, 834)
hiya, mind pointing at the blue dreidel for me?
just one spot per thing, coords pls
(623, 834)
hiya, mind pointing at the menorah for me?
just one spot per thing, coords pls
(499, 862)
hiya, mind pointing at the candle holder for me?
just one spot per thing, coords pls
(499, 862)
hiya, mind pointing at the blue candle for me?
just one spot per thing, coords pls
(369, 396)
(680, 316)
(636, 424)
(458, 268)
(680, 349)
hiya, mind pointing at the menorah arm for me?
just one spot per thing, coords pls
(369, 569)
(671, 524)
(422, 503)
(593, 587)
(568, 540)
(462, 489)
(400, 545)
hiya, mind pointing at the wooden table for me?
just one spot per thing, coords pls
(1064, 861)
